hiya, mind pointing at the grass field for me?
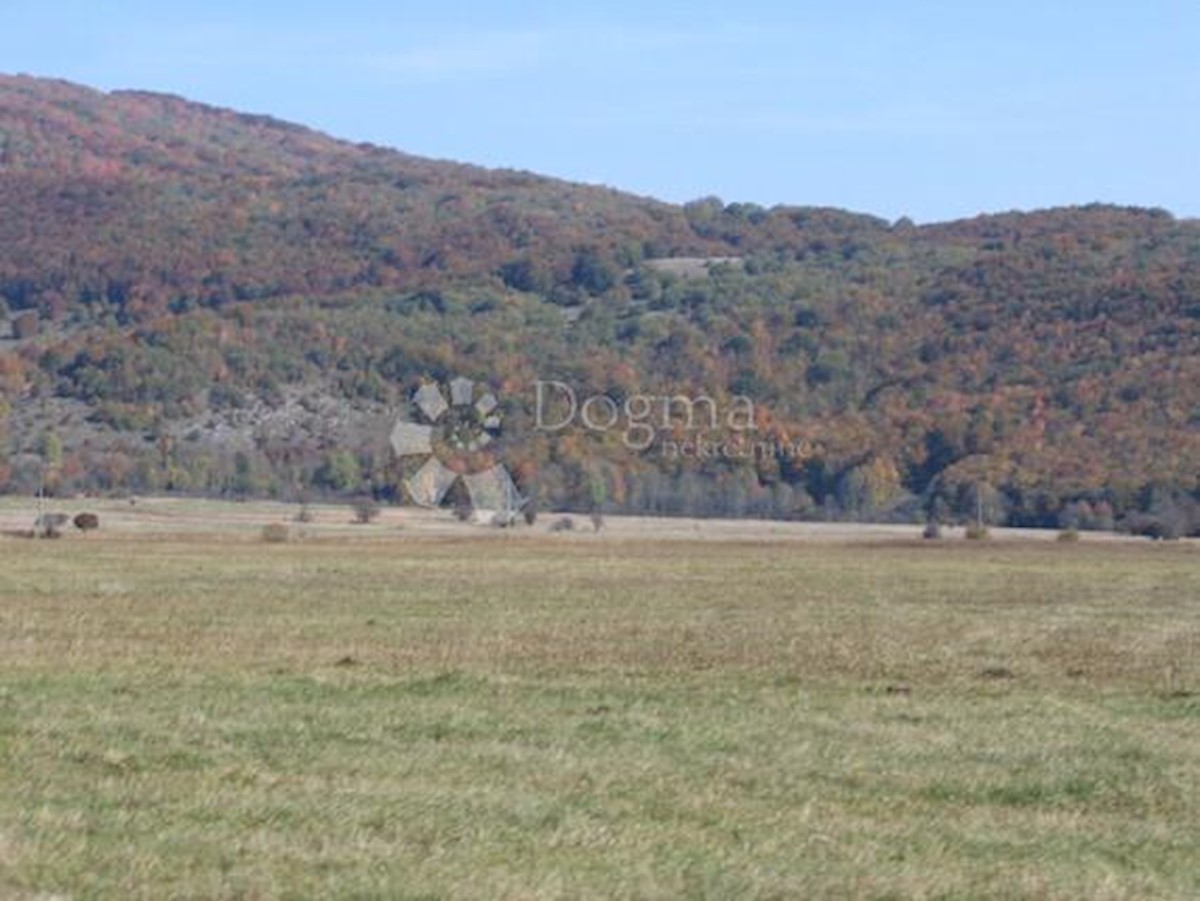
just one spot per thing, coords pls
(199, 715)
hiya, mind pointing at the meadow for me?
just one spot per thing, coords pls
(388, 713)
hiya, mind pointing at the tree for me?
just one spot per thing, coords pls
(245, 481)
(340, 472)
(526, 275)
(592, 273)
(981, 503)
(366, 510)
(597, 493)
(51, 450)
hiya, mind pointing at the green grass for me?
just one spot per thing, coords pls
(557, 718)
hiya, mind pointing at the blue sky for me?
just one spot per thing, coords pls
(934, 110)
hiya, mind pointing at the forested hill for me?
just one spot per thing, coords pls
(197, 300)
(146, 200)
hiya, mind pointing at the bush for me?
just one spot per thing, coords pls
(977, 532)
(304, 514)
(933, 531)
(87, 522)
(50, 525)
(504, 519)
(562, 524)
(366, 510)
(276, 533)
(1068, 535)
(1154, 525)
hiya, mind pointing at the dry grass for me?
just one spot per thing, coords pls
(542, 716)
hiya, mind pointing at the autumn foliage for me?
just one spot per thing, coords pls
(174, 273)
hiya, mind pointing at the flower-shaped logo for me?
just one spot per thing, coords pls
(459, 437)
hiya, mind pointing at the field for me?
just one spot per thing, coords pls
(417, 709)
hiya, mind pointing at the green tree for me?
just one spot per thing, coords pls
(592, 273)
(527, 275)
(244, 478)
(51, 450)
(340, 472)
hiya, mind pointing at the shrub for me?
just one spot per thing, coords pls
(1154, 525)
(276, 533)
(562, 524)
(1068, 535)
(87, 522)
(933, 531)
(977, 532)
(50, 525)
(366, 509)
(304, 514)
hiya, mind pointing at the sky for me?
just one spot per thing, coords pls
(931, 110)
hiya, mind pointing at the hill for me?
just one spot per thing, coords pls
(210, 302)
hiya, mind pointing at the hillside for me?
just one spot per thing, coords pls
(210, 302)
